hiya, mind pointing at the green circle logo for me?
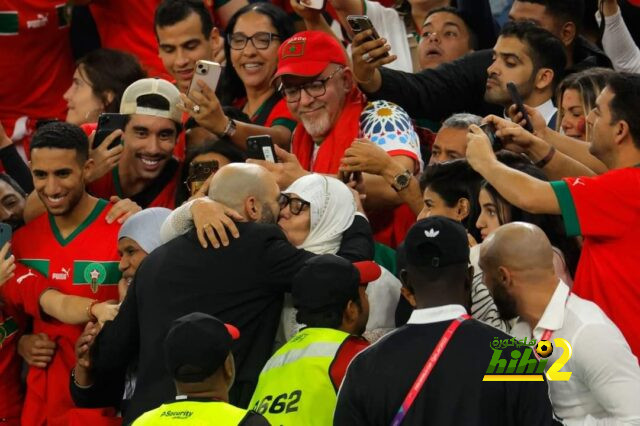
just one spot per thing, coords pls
(95, 274)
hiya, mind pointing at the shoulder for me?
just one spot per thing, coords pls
(253, 419)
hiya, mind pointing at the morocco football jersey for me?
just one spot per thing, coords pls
(85, 263)
(605, 210)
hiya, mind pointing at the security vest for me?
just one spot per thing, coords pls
(188, 412)
(294, 387)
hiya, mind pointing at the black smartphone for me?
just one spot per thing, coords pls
(261, 148)
(107, 123)
(490, 130)
(517, 100)
(360, 23)
(199, 172)
(5, 236)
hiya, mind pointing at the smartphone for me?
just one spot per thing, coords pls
(5, 236)
(199, 172)
(490, 130)
(261, 148)
(107, 123)
(517, 100)
(206, 71)
(314, 4)
(360, 23)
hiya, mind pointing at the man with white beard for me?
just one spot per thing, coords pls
(319, 88)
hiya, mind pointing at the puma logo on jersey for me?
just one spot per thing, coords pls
(25, 276)
(40, 21)
(61, 275)
(431, 233)
(578, 182)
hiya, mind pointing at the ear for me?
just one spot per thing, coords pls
(350, 314)
(347, 79)
(87, 168)
(463, 208)
(408, 295)
(621, 132)
(109, 97)
(568, 33)
(229, 369)
(505, 277)
(215, 39)
(544, 79)
(252, 208)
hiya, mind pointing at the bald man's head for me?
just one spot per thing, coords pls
(249, 189)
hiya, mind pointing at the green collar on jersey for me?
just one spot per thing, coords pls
(100, 206)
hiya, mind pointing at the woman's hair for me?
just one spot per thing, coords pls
(551, 224)
(589, 83)
(452, 181)
(108, 70)
(281, 22)
(222, 146)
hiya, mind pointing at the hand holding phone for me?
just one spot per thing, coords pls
(199, 172)
(261, 148)
(206, 71)
(361, 23)
(107, 123)
(517, 100)
(490, 130)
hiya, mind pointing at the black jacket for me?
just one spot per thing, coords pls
(459, 86)
(242, 284)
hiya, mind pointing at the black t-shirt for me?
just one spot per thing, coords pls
(379, 378)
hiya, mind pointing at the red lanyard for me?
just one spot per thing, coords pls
(426, 370)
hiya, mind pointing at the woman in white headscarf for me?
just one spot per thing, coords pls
(314, 213)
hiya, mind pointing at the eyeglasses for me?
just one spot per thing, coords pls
(261, 40)
(314, 88)
(296, 205)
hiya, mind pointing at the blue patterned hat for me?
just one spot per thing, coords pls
(385, 123)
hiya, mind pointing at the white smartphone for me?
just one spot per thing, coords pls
(206, 71)
(314, 4)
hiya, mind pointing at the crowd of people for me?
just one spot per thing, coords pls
(462, 172)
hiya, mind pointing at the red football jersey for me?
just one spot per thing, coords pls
(83, 264)
(605, 210)
(36, 64)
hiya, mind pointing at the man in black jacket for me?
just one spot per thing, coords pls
(242, 284)
(460, 85)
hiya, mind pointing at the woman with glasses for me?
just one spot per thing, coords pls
(254, 35)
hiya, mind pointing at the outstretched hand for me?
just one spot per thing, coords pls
(212, 220)
(286, 170)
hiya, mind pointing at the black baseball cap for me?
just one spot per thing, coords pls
(199, 341)
(328, 280)
(436, 242)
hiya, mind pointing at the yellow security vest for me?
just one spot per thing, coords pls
(192, 413)
(294, 387)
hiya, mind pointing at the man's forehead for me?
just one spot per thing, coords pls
(534, 12)
(150, 122)
(512, 46)
(190, 28)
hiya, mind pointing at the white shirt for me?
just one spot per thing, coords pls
(439, 314)
(604, 388)
(618, 43)
(547, 110)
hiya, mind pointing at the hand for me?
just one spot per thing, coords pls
(210, 114)
(123, 287)
(104, 159)
(479, 151)
(83, 359)
(105, 311)
(122, 209)
(358, 191)
(365, 156)
(514, 137)
(7, 266)
(366, 73)
(537, 120)
(472, 241)
(36, 349)
(203, 191)
(306, 13)
(213, 219)
(609, 7)
(4, 139)
(286, 171)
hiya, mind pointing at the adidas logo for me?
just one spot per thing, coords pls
(431, 233)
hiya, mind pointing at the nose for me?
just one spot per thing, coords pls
(5, 213)
(433, 37)
(305, 98)
(123, 264)
(590, 118)
(181, 58)
(67, 95)
(493, 69)
(249, 49)
(153, 144)
(51, 186)
(480, 222)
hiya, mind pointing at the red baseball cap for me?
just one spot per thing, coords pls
(308, 53)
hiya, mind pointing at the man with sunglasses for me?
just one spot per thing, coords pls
(319, 89)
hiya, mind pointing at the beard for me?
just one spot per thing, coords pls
(505, 303)
(268, 216)
(317, 127)
(501, 96)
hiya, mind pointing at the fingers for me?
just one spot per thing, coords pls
(5, 250)
(200, 232)
(104, 146)
(233, 215)
(283, 155)
(266, 164)
(476, 130)
(211, 236)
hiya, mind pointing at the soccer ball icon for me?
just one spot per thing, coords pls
(544, 348)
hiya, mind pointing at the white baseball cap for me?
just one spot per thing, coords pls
(152, 86)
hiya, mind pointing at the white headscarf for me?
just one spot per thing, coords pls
(144, 228)
(332, 211)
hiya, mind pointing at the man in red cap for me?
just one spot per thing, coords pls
(298, 384)
(319, 89)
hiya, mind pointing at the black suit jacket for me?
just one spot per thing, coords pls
(242, 284)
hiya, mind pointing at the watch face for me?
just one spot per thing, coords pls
(402, 180)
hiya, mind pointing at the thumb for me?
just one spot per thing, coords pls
(282, 154)
(114, 199)
(476, 130)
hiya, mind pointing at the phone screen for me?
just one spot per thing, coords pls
(5, 236)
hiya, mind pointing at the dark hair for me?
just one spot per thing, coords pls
(552, 225)
(280, 21)
(61, 135)
(222, 146)
(562, 10)
(473, 38)
(626, 101)
(545, 49)
(12, 183)
(170, 12)
(109, 70)
(154, 101)
(331, 317)
(589, 83)
(452, 181)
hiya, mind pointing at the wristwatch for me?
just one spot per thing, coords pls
(229, 129)
(401, 181)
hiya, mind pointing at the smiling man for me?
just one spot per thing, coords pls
(146, 172)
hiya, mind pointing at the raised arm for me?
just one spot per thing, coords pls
(75, 309)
